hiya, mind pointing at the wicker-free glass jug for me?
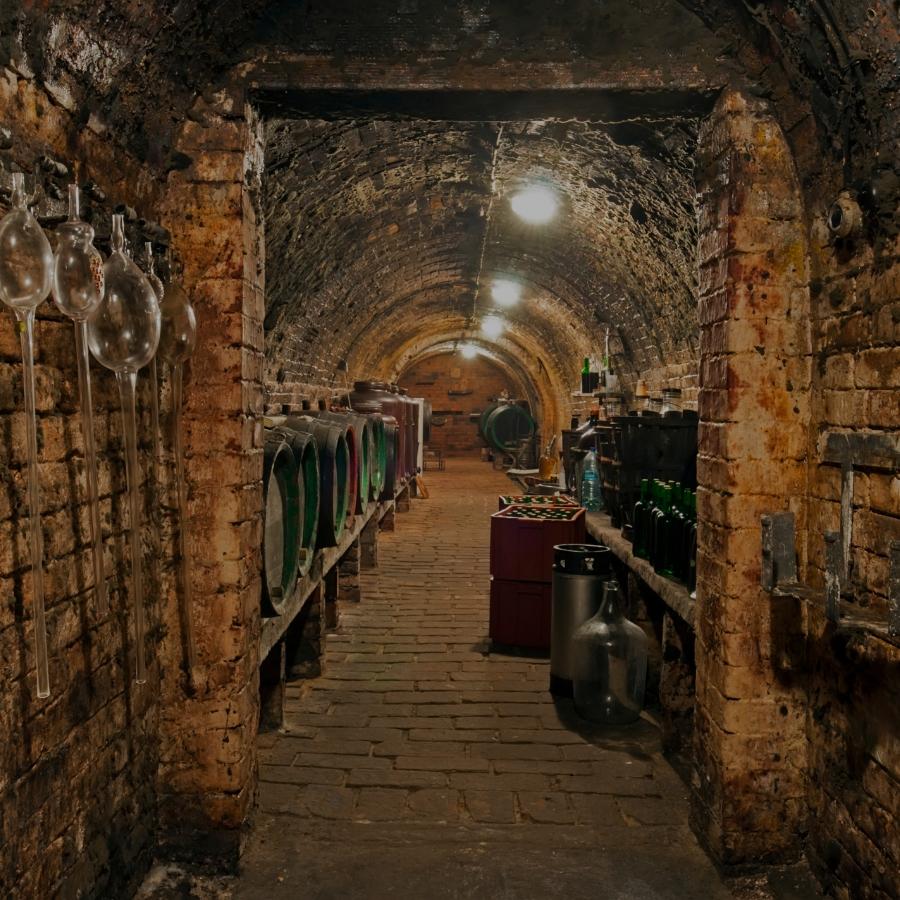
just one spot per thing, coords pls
(609, 664)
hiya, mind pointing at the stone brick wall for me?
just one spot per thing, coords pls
(77, 770)
(806, 751)
(207, 777)
(854, 763)
(434, 377)
(749, 803)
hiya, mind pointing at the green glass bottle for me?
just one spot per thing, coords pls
(660, 519)
(639, 521)
(677, 528)
(666, 534)
(692, 548)
(586, 376)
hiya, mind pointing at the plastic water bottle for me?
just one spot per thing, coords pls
(590, 483)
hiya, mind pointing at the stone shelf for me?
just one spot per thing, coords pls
(273, 628)
(674, 595)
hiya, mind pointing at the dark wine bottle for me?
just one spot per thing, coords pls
(639, 521)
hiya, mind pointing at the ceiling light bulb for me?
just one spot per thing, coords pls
(506, 292)
(537, 204)
(469, 351)
(492, 327)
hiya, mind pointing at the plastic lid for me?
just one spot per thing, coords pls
(583, 559)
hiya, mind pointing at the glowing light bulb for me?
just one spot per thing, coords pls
(506, 292)
(492, 327)
(536, 204)
(468, 351)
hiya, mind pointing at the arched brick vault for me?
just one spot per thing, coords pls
(376, 224)
(827, 65)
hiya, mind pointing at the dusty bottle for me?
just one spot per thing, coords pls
(609, 664)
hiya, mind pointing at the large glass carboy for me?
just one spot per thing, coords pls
(609, 664)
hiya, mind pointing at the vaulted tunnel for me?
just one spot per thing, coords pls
(333, 181)
(386, 233)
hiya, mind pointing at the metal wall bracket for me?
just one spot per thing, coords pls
(833, 568)
(894, 591)
(779, 556)
(778, 576)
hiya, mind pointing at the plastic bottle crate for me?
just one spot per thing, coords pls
(520, 613)
(540, 500)
(523, 538)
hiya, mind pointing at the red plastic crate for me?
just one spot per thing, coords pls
(522, 548)
(520, 613)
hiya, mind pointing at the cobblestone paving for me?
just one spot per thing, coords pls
(416, 729)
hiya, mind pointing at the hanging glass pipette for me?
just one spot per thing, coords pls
(123, 335)
(159, 290)
(78, 285)
(176, 345)
(26, 268)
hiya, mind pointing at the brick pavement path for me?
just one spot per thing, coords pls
(415, 737)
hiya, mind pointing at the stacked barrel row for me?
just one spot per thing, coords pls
(321, 469)
(409, 418)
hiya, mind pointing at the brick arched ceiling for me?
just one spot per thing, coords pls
(386, 222)
(136, 74)
(408, 221)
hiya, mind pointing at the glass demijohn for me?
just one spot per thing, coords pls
(26, 267)
(78, 285)
(176, 344)
(123, 334)
(609, 664)
(159, 290)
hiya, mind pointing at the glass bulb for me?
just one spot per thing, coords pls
(506, 292)
(78, 280)
(536, 204)
(469, 351)
(26, 259)
(152, 277)
(492, 326)
(179, 326)
(123, 331)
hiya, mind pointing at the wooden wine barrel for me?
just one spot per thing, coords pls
(411, 450)
(372, 410)
(506, 426)
(380, 460)
(393, 450)
(388, 402)
(362, 434)
(281, 526)
(335, 473)
(306, 456)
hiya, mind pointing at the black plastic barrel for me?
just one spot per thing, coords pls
(334, 475)
(281, 523)
(306, 456)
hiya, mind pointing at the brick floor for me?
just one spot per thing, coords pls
(414, 725)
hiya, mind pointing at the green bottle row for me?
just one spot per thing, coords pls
(665, 530)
